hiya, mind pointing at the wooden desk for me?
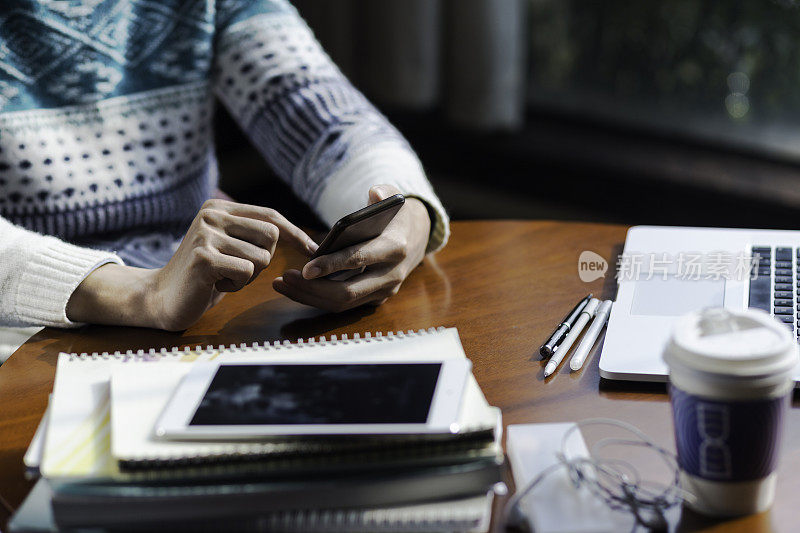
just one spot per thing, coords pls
(502, 284)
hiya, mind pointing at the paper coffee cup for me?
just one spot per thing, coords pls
(730, 384)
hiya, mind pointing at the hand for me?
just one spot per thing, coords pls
(388, 258)
(226, 247)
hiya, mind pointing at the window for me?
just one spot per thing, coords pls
(724, 72)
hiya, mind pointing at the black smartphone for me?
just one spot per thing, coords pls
(360, 226)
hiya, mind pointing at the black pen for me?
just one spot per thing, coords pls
(563, 328)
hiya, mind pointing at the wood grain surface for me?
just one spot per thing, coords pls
(504, 285)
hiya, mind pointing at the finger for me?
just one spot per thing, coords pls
(216, 297)
(302, 297)
(262, 234)
(259, 257)
(315, 300)
(381, 249)
(382, 192)
(232, 273)
(366, 286)
(290, 233)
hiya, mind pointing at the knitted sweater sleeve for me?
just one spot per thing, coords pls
(315, 129)
(38, 274)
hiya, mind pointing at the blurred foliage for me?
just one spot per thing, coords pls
(736, 58)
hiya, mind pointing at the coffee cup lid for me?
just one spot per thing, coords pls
(737, 343)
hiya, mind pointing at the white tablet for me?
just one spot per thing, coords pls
(258, 400)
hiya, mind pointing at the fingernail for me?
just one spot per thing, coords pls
(311, 272)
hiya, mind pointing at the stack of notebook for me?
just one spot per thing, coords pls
(101, 467)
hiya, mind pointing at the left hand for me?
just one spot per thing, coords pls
(389, 258)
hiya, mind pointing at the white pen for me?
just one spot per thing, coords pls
(600, 319)
(569, 340)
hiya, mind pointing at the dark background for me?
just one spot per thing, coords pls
(662, 151)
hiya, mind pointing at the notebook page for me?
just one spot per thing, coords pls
(78, 435)
(35, 451)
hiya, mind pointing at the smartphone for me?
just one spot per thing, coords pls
(360, 226)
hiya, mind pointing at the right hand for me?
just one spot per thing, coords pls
(227, 246)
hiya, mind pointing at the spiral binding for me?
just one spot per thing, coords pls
(175, 352)
(459, 515)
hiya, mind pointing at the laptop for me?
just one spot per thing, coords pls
(665, 272)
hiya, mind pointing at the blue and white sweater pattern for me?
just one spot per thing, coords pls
(106, 137)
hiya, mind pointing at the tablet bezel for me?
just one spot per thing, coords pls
(443, 413)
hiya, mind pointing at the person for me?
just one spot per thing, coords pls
(107, 163)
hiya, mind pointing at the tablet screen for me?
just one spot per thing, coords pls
(384, 393)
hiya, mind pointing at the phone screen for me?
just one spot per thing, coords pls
(396, 393)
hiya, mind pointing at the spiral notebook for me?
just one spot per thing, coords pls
(89, 435)
(468, 514)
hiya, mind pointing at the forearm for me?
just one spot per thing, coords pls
(114, 295)
(38, 274)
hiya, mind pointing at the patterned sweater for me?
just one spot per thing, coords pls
(106, 141)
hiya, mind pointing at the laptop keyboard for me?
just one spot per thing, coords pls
(776, 288)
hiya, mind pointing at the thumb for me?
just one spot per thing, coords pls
(381, 192)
